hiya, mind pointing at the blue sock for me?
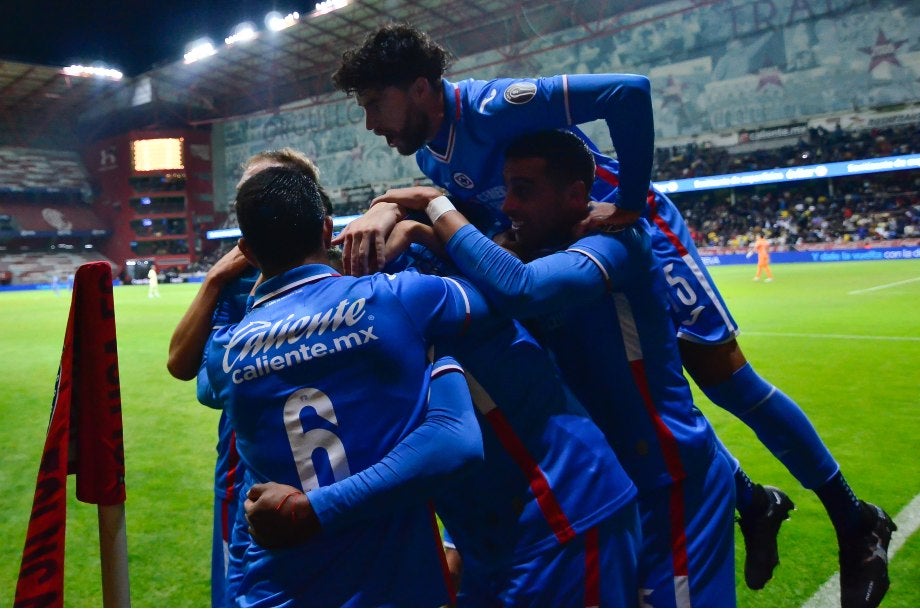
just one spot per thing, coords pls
(744, 493)
(779, 424)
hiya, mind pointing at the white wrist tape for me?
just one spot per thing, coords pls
(438, 207)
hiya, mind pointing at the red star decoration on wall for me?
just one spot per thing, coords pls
(883, 51)
(769, 75)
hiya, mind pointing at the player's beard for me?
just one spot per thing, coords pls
(415, 133)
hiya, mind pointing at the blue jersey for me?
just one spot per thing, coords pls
(599, 307)
(231, 307)
(228, 472)
(483, 117)
(548, 475)
(286, 376)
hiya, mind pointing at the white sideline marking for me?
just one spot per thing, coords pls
(882, 287)
(842, 336)
(908, 522)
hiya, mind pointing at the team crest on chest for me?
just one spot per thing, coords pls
(520, 92)
(463, 180)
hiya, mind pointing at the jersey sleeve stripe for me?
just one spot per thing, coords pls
(457, 101)
(607, 281)
(565, 99)
(444, 369)
(466, 302)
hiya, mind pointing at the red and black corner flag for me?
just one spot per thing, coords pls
(84, 438)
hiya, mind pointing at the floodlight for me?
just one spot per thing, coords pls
(199, 49)
(276, 22)
(243, 32)
(90, 71)
(327, 6)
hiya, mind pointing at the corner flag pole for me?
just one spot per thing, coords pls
(85, 438)
(113, 556)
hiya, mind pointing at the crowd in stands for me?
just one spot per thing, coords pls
(819, 146)
(851, 210)
(871, 207)
(52, 268)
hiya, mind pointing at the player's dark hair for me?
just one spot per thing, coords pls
(567, 157)
(394, 55)
(281, 216)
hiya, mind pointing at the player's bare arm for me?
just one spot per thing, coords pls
(408, 232)
(445, 219)
(186, 345)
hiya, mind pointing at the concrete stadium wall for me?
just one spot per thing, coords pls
(714, 67)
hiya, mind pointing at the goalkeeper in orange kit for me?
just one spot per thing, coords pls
(761, 245)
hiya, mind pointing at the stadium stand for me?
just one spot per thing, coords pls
(43, 267)
(706, 88)
(870, 208)
(48, 227)
(23, 170)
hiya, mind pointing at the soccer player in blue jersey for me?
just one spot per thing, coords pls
(458, 132)
(321, 378)
(549, 519)
(599, 307)
(220, 301)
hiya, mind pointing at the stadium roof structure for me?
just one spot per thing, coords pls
(42, 107)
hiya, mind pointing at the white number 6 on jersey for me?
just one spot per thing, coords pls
(305, 442)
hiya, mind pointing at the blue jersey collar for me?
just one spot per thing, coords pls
(288, 281)
(442, 145)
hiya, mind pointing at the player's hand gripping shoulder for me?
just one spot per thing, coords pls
(279, 515)
(605, 218)
(364, 239)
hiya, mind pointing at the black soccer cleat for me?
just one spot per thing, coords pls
(760, 533)
(864, 559)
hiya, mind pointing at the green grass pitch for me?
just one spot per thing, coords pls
(843, 339)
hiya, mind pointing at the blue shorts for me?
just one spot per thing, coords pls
(597, 568)
(697, 309)
(688, 550)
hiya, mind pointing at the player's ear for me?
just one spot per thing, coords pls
(419, 87)
(576, 196)
(246, 250)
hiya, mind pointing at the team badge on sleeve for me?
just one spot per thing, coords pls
(463, 180)
(520, 92)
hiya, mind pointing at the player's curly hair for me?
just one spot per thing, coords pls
(394, 55)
